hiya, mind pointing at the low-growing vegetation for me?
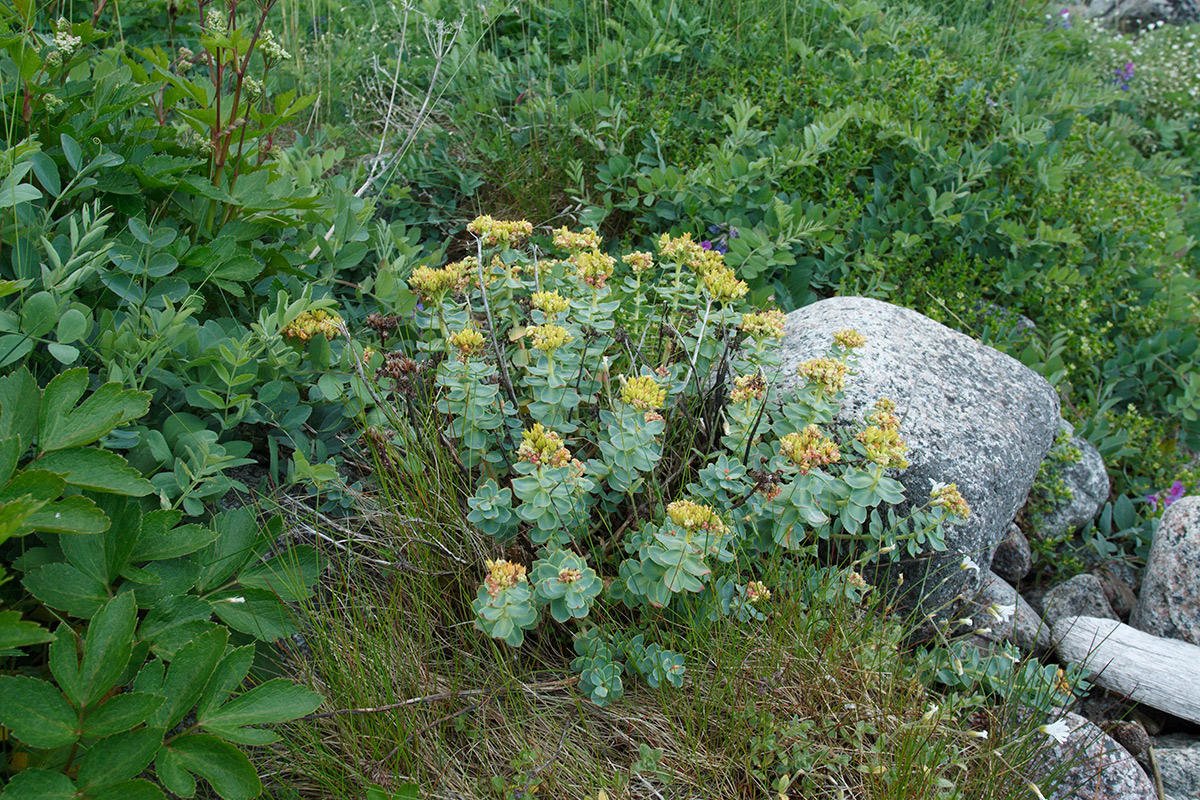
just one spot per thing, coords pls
(405, 378)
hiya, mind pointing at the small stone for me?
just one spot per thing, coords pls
(1080, 489)
(1022, 626)
(1169, 603)
(1081, 596)
(1131, 735)
(1013, 557)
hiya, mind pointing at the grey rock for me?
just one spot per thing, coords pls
(1024, 627)
(1099, 768)
(1132, 736)
(1086, 484)
(1178, 760)
(971, 416)
(1081, 596)
(1169, 603)
(1013, 557)
(1136, 14)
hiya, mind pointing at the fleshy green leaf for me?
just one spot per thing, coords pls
(36, 712)
(224, 766)
(118, 758)
(100, 470)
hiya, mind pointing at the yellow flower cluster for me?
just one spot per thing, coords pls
(594, 268)
(432, 284)
(828, 374)
(882, 437)
(549, 338)
(503, 575)
(573, 242)
(310, 323)
(694, 516)
(809, 448)
(543, 447)
(857, 581)
(468, 342)
(680, 249)
(500, 232)
(643, 393)
(550, 303)
(757, 592)
(747, 388)
(849, 338)
(639, 260)
(948, 497)
(723, 284)
(764, 324)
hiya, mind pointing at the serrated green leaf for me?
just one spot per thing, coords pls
(118, 758)
(93, 468)
(36, 712)
(121, 712)
(172, 612)
(64, 587)
(160, 544)
(107, 647)
(171, 774)
(278, 700)
(228, 676)
(104, 556)
(16, 632)
(237, 533)
(61, 424)
(15, 516)
(129, 790)
(224, 766)
(291, 574)
(256, 612)
(190, 671)
(39, 784)
(36, 483)
(74, 515)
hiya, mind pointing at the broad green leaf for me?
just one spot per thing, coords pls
(172, 612)
(64, 354)
(190, 671)
(237, 534)
(121, 712)
(291, 574)
(277, 700)
(39, 314)
(36, 483)
(224, 766)
(172, 775)
(118, 758)
(64, 663)
(16, 632)
(61, 424)
(256, 612)
(39, 784)
(64, 587)
(92, 468)
(15, 516)
(36, 712)
(104, 556)
(72, 151)
(229, 675)
(159, 542)
(10, 452)
(107, 647)
(76, 514)
(129, 790)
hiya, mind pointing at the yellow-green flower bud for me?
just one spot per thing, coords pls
(549, 338)
(550, 303)
(310, 323)
(764, 324)
(573, 242)
(500, 232)
(639, 261)
(694, 516)
(643, 393)
(828, 374)
(810, 448)
(503, 575)
(469, 342)
(543, 447)
(849, 338)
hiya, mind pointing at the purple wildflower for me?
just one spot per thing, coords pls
(1123, 75)
(1169, 496)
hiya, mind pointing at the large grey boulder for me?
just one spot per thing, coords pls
(971, 416)
(1082, 487)
(1178, 760)
(1136, 14)
(1090, 765)
(1081, 596)
(1169, 603)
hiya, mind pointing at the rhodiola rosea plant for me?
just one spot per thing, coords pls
(618, 425)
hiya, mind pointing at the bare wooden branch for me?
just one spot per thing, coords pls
(1153, 670)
